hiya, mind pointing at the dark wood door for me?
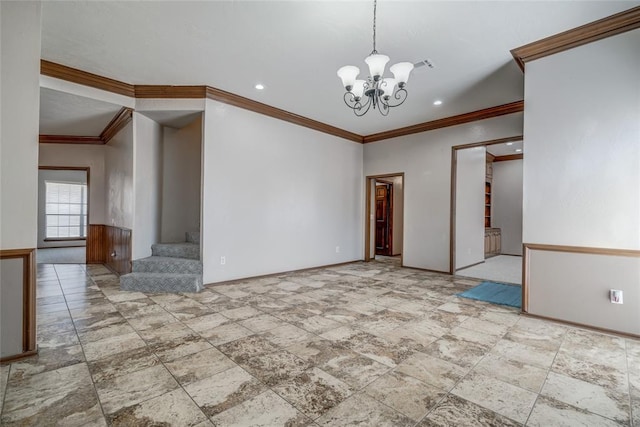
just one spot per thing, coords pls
(383, 218)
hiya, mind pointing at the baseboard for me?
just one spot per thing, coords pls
(16, 357)
(427, 270)
(261, 276)
(471, 265)
(582, 325)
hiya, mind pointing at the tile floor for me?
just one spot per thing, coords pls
(360, 344)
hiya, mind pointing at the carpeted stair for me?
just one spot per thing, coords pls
(172, 267)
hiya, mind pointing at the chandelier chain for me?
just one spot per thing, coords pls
(375, 4)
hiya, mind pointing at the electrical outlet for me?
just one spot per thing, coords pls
(223, 260)
(337, 249)
(616, 296)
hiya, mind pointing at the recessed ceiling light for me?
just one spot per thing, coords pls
(259, 86)
(437, 102)
(509, 143)
(518, 150)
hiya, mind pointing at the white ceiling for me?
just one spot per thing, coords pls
(65, 114)
(295, 47)
(504, 149)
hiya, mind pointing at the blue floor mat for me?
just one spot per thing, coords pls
(496, 293)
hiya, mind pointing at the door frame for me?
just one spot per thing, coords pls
(389, 185)
(454, 175)
(77, 168)
(367, 220)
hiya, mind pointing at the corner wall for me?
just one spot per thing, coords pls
(507, 204)
(582, 179)
(275, 196)
(119, 184)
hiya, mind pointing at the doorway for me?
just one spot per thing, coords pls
(63, 214)
(486, 210)
(384, 221)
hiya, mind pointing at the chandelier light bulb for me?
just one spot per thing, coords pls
(376, 63)
(348, 74)
(401, 72)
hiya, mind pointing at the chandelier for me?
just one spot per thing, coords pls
(380, 92)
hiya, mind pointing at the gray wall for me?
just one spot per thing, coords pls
(581, 179)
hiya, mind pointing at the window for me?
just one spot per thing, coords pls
(66, 210)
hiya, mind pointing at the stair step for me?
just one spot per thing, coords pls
(192, 237)
(176, 250)
(161, 282)
(160, 264)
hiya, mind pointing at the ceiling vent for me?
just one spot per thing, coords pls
(424, 63)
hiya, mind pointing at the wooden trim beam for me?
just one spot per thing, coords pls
(508, 157)
(69, 139)
(85, 78)
(29, 347)
(486, 113)
(119, 121)
(277, 113)
(606, 27)
(170, 92)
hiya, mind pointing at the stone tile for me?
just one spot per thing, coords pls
(112, 345)
(96, 334)
(244, 348)
(187, 308)
(286, 335)
(513, 372)
(594, 347)
(536, 356)
(458, 351)
(484, 326)
(607, 375)
(134, 387)
(4, 377)
(353, 368)
(261, 323)
(47, 359)
(361, 409)
(405, 394)
(200, 365)
(431, 370)
(98, 320)
(318, 350)
(314, 392)
(274, 368)
(173, 408)
(318, 324)
(224, 390)
(151, 317)
(122, 364)
(550, 412)
(266, 409)
(409, 338)
(587, 396)
(455, 411)
(65, 395)
(498, 396)
(226, 333)
(240, 313)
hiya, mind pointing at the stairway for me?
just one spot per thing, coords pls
(172, 267)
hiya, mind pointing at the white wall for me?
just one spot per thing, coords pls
(276, 196)
(62, 176)
(470, 191)
(147, 177)
(20, 104)
(119, 179)
(582, 168)
(506, 204)
(91, 156)
(181, 181)
(398, 214)
(425, 158)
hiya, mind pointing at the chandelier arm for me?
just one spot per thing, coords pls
(350, 99)
(362, 108)
(400, 96)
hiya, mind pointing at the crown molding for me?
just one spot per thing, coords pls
(259, 107)
(70, 139)
(170, 92)
(119, 121)
(508, 157)
(486, 113)
(606, 27)
(85, 78)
